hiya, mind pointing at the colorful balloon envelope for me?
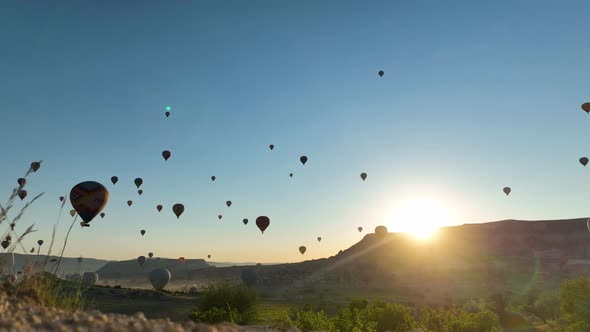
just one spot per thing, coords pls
(507, 190)
(178, 209)
(262, 222)
(302, 250)
(159, 208)
(88, 199)
(303, 159)
(138, 182)
(22, 194)
(114, 179)
(586, 107)
(364, 176)
(166, 154)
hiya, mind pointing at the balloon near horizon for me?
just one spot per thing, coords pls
(421, 217)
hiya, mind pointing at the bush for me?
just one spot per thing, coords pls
(222, 302)
(307, 321)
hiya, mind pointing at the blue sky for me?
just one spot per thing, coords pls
(475, 97)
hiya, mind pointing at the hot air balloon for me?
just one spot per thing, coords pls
(302, 250)
(245, 221)
(5, 244)
(360, 229)
(166, 154)
(140, 192)
(159, 208)
(35, 166)
(72, 213)
(129, 203)
(159, 278)
(381, 72)
(290, 175)
(88, 199)
(21, 182)
(61, 198)
(80, 259)
(178, 209)
(262, 222)
(142, 232)
(40, 242)
(303, 159)
(271, 146)
(507, 190)
(90, 278)
(380, 230)
(228, 203)
(364, 176)
(219, 217)
(167, 114)
(151, 254)
(141, 260)
(181, 260)
(22, 194)
(114, 179)
(138, 182)
(102, 214)
(586, 107)
(208, 256)
(584, 161)
(319, 239)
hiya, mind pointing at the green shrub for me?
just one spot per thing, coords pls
(222, 302)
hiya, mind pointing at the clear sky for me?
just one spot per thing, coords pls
(476, 96)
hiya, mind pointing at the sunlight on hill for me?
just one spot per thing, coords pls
(420, 217)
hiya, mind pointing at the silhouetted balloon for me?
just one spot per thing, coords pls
(319, 239)
(159, 208)
(364, 176)
(61, 198)
(167, 114)
(228, 203)
(303, 159)
(380, 230)
(381, 72)
(245, 221)
(141, 260)
(271, 146)
(208, 256)
(151, 254)
(166, 154)
(88, 199)
(138, 182)
(40, 242)
(114, 179)
(142, 232)
(72, 213)
(507, 190)
(140, 192)
(80, 259)
(219, 217)
(178, 209)
(586, 107)
(159, 278)
(35, 166)
(213, 178)
(249, 277)
(360, 229)
(102, 215)
(21, 181)
(32, 250)
(262, 222)
(22, 194)
(90, 278)
(129, 203)
(302, 250)
(181, 260)
(290, 175)
(584, 161)
(5, 244)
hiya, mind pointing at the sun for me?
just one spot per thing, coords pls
(420, 217)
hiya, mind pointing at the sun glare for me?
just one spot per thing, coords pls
(420, 217)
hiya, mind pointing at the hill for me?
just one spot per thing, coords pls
(67, 265)
(131, 269)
